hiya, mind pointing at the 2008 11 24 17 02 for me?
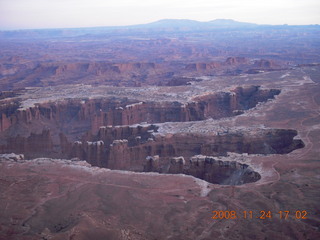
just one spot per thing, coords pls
(298, 214)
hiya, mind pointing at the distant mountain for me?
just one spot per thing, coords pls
(191, 24)
(229, 22)
(167, 26)
(165, 23)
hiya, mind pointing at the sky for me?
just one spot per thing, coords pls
(32, 14)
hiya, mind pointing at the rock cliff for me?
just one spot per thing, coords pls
(119, 133)
(76, 116)
(143, 143)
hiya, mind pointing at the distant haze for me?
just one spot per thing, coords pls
(24, 14)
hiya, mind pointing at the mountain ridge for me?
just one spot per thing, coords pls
(222, 22)
(215, 22)
(161, 26)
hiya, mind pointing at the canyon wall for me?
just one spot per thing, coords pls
(144, 142)
(140, 148)
(76, 116)
(61, 123)
(119, 133)
(23, 73)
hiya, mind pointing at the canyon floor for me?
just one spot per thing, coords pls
(160, 135)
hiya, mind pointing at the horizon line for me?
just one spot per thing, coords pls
(159, 20)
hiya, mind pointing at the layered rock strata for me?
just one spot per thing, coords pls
(93, 113)
(118, 133)
(115, 150)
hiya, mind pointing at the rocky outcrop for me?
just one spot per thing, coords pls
(89, 72)
(263, 65)
(266, 64)
(118, 133)
(236, 61)
(35, 145)
(114, 132)
(145, 151)
(208, 66)
(206, 168)
(76, 116)
(130, 73)
(126, 67)
(199, 67)
(101, 68)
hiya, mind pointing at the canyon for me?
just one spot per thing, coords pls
(144, 132)
(119, 133)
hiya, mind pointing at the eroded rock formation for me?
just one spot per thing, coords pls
(214, 171)
(85, 114)
(118, 133)
(143, 143)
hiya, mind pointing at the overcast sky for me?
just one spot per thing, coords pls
(20, 14)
